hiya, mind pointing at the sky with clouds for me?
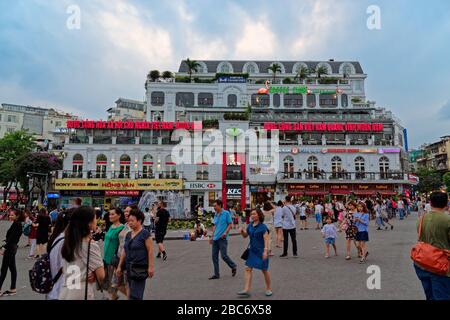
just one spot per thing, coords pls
(43, 63)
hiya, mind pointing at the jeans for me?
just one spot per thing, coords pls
(137, 288)
(9, 261)
(401, 213)
(292, 233)
(436, 287)
(221, 246)
(380, 222)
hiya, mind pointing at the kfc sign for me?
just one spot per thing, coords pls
(234, 192)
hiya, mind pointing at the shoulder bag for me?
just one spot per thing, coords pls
(429, 257)
(137, 271)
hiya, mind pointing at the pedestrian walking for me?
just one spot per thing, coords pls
(17, 217)
(55, 244)
(148, 220)
(301, 210)
(33, 236)
(219, 241)
(278, 223)
(350, 229)
(401, 208)
(110, 248)
(269, 211)
(258, 252)
(44, 224)
(81, 253)
(318, 211)
(434, 230)
(289, 228)
(329, 232)
(378, 216)
(137, 256)
(362, 223)
(161, 222)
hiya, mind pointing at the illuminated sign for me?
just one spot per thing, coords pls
(299, 90)
(203, 185)
(324, 127)
(389, 150)
(115, 193)
(118, 184)
(133, 125)
(231, 79)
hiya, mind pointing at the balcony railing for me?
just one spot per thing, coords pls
(333, 176)
(93, 174)
(78, 139)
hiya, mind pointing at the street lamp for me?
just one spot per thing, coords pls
(31, 175)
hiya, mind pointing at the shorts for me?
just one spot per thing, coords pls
(302, 217)
(330, 241)
(159, 236)
(362, 236)
(318, 217)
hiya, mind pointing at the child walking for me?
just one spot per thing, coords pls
(329, 232)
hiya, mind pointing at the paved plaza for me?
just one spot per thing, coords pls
(185, 274)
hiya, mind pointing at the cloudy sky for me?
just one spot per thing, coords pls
(44, 63)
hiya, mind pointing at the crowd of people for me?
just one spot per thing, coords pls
(70, 240)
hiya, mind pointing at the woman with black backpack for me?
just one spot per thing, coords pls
(9, 255)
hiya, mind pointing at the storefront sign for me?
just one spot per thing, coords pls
(234, 192)
(368, 150)
(118, 184)
(324, 127)
(262, 170)
(389, 150)
(133, 125)
(203, 186)
(342, 150)
(299, 90)
(231, 79)
(113, 193)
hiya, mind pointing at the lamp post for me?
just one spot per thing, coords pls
(31, 175)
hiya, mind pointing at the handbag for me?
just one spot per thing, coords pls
(138, 272)
(246, 253)
(429, 257)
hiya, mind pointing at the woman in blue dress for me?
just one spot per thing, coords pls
(258, 256)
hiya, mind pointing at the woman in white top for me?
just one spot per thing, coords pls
(78, 246)
(278, 223)
(269, 211)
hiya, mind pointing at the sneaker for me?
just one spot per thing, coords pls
(243, 294)
(158, 256)
(269, 293)
(214, 278)
(392, 227)
(283, 256)
(164, 256)
(233, 272)
(327, 256)
(295, 256)
(8, 293)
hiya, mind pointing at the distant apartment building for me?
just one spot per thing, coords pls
(436, 155)
(127, 109)
(47, 125)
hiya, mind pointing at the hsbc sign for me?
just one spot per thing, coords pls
(203, 185)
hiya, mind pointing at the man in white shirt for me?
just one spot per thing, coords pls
(401, 208)
(318, 211)
(288, 223)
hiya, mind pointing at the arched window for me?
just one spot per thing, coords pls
(225, 67)
(184, 99)
(344, 100)
(328, 100)
(360, 168)
(250, 68)
(101, 164)
(276, 100)
(157, 98)
(293, 100)
(260, 100)
(147, 167)
(77, 169)
(313, 164)
(125, 166)
(336, 166)
(288, 167)
(311, 100)
(346, 69)
(205, 99)
(170, 168)
(232, 100)
(384, 167)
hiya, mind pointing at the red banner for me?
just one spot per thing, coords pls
(130, 125)
(324, 127)
(126, 193)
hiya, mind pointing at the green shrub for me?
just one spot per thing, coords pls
(182, 79)
(287, 81)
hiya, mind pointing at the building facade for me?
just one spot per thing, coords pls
(330, 139)
(435, 155)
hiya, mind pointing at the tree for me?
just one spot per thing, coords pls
(192, 67)
(321, 70)
(302, 73)
(40, 162)
(446, 180)
(167, 75)
(429, 180)
(154, 75)
(13, 146)
(274, 68)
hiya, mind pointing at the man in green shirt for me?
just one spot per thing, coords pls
(435, 231)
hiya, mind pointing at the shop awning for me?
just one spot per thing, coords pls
(339, 192)
(387, 193)
(296, 193)
(316, 193)
(364, 192)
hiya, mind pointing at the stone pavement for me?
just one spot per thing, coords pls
(184, 275)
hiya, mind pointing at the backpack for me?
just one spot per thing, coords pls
(26, 229)
(41, 280)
